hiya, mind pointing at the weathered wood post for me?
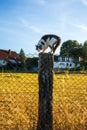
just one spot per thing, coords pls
(45, 117)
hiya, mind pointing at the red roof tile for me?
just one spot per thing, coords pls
(8, 54)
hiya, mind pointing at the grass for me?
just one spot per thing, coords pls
(19, 101)
(70, 102)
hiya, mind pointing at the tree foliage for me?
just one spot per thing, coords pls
(31, 63)
(85, 44)
(22, 55)
(74, 48)
(68, 46)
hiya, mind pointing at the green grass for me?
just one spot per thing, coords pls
(19, 101)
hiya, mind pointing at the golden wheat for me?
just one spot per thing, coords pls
(19, 101)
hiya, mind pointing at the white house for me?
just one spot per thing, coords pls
(64, 62)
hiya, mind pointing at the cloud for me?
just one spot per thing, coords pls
(34, 28)
(81, 26)
(24, 22)
(41, 2)
(84, 2)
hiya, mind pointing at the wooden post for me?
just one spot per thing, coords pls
(45, 116)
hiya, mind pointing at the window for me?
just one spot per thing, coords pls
(70, 65)
(63, 58)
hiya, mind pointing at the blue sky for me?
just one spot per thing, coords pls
(24, 22)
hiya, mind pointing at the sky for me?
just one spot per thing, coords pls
(24, 22)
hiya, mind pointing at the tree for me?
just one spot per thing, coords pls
(22, 55)
(31, 63)
(77, 52)
(23, 59)
(85, 44)
(71, 48)
(85, 50)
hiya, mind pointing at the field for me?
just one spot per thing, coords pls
(19, 101)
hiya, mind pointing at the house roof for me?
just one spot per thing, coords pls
(8, 54)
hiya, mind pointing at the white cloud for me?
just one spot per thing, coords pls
(24, 22)
(81, 26)
(41, 2)
(34, 28)
(84, 2)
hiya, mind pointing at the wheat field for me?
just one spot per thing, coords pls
(19, 101)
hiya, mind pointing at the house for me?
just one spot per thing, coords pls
(64, 62)
(8, 56)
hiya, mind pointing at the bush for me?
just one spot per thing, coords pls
(84, 66)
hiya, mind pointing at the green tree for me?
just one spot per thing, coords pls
(77, 52)
(68, 46)
(31, 63)
(85, 51)
(85, 44)
(22, 55)
(72, 48)
(23, 59)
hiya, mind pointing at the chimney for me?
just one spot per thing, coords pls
(9, 52)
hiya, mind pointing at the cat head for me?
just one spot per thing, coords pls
(40, 45)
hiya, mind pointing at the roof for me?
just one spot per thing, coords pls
(8, 54)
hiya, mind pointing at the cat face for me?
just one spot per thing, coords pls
(38, 47)
(41, 44)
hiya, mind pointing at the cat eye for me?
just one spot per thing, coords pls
(42, 43)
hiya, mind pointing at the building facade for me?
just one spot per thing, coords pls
(64, 62)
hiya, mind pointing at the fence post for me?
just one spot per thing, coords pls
(45, 77)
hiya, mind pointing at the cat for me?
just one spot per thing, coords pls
(49, 40)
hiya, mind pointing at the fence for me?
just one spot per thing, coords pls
(20, 101)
